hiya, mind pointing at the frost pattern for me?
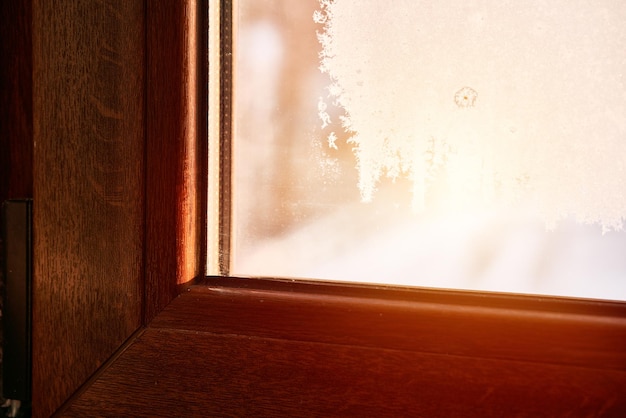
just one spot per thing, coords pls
(324, 116)
(549, 127)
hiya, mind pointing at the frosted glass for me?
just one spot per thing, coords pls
(473, 145)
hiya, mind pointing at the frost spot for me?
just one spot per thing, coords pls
(324, 116)
(466, 97)
(331, 140)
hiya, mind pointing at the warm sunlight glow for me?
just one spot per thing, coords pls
(188, 233)
(503, 102)
(473, 145)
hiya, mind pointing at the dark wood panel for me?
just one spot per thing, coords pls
(547, 330)
(16, 121)
(176, 149)
(185, 373)
(88, 111)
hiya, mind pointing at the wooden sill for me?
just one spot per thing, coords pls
(252, 347)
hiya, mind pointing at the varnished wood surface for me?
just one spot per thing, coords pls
(88, 111)
(98, 159)
(176, 75)
(206, 356)
(549, 330)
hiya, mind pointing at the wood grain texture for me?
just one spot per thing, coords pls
(181, 371)
(88, 108)
(508, 327)
(175, 149)
(16, 108)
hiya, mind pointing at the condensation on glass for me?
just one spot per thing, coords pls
(442, 144)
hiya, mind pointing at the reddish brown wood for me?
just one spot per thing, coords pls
(175, 368)
(88, 108)
(16, 107)
(175, 152)
(547, 330)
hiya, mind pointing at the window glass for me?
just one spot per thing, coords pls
(440, 144)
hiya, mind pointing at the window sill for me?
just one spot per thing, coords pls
(279, 348)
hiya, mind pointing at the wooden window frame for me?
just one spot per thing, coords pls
(486, 354)
(532, 330)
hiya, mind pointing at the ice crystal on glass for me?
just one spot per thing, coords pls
(551, 111)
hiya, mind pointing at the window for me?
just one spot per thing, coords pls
(358, 201)
(244, 342)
